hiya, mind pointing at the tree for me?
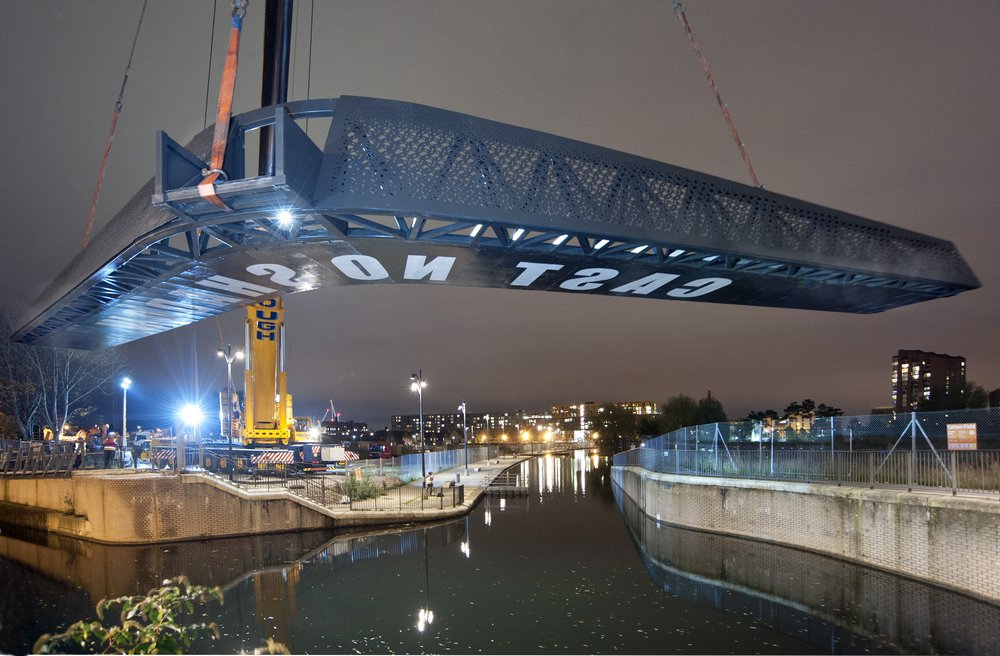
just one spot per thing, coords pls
(617, 428)
(50, 386)
(709, 410)
(824, 410)
(968, 395)
(678, 412)
(652, 424)
(769, 416)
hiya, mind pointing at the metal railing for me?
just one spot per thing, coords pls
(36, 459)
(408, 467)
(953, 450)
(351, 492)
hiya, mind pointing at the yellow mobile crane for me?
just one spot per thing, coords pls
(267, 432)
(267, 416)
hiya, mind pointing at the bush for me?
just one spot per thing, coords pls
(359, 489)
(151, 624)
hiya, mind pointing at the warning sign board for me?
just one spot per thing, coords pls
(962, 437)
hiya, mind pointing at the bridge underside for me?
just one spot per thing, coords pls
(408, 193)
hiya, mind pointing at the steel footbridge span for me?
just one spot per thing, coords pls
(405, 193)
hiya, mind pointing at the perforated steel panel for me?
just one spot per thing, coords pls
(410, 158)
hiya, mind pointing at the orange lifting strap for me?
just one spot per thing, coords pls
(207, 186)
(111, 133)
(682, 15)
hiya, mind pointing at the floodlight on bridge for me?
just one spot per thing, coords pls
(404, 193)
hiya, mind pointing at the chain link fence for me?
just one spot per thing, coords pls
(954, 449)
(409, 467)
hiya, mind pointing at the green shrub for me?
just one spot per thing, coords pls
(359, 489)
(151, 624)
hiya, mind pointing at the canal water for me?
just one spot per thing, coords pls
(570, 568)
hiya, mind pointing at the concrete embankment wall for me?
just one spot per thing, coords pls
(948, 541)
(144, 508)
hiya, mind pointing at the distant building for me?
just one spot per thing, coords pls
(481, 426)
(576, 419)
(921, 379)
(344, 431)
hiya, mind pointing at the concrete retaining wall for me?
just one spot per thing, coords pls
(953, 542)
(144, 508)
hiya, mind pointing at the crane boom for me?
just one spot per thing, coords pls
(268, 413)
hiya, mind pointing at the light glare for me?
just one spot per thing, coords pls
(191, 415)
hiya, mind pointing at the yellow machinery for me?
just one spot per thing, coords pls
(267, 416)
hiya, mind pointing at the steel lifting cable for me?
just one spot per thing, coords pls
(206, 188)
(679, 12)
(111, 133)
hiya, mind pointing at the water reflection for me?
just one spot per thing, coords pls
(60, 579)
(826, 601)
(554, 474)
(554, 571)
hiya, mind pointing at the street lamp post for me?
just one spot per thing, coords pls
(465, 436)
(126, 383)
(191, 416)
(417, 384)
(229, 356)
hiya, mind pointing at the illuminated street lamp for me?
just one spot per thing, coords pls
(126, 383)
(417, 384)
(465, 436)
(229, 356)
(191, 415)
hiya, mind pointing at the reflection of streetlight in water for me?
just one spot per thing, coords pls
(466, 545)
(425, 615)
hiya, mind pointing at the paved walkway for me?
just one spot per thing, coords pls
(480, 475)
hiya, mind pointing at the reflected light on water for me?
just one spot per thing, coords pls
(465, 548)
(424, 618)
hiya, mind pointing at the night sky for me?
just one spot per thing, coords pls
(887, 110)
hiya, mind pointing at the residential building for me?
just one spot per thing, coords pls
(571, 420)
(481, 426)
(344, 431)
(922, 380)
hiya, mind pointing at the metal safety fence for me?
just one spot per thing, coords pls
(355, 491)
(410, 468)
(36, 459)
(953, 450)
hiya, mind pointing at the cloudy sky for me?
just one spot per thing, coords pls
(883, 109)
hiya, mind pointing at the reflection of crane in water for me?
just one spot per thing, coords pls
(274, 593)
(275, 589)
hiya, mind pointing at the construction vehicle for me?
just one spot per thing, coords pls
(263, 427)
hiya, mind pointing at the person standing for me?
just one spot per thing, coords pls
(109, 447)
(80, 449)
(136, 452)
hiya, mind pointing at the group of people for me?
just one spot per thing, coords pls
(109, 447)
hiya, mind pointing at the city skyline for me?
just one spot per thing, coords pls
(884, 111)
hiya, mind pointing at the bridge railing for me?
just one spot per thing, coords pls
(952, 450)
(36, 459)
